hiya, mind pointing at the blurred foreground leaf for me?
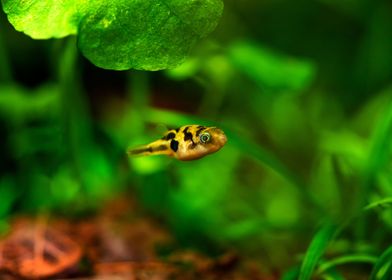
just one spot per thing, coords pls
(316, 249)
(383, 268)
(347, 259)
(120, 34)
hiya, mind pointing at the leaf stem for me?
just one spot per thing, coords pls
(138, 94)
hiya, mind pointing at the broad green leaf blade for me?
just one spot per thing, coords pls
(44, 19)
(383, 268)
(148, 35)
(316, 249)
(121, 34)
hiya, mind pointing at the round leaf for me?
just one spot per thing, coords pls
(120, 34)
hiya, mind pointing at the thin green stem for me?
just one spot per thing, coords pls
(76, 122)
(138, 92)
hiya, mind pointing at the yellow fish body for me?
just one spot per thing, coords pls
(185, 143)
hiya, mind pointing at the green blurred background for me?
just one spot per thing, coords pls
(303, 90)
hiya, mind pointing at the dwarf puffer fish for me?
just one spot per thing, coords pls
(187, 142)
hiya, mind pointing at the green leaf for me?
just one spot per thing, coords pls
(316, 249)
(44, 19)
(120, 34)
(382, 269)
(355, 258)
(271, 70)
(382, 203)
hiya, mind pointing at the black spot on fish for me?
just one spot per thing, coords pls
(192, 146)
(174, 145)
(199, 130)
(160, 148)
(169, 136)
(187, 135)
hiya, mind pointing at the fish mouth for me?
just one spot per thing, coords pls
(221, 139)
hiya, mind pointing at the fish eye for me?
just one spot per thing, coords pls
(205, 137)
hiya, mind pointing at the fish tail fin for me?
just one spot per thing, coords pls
(139, 151)
(158, 147)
